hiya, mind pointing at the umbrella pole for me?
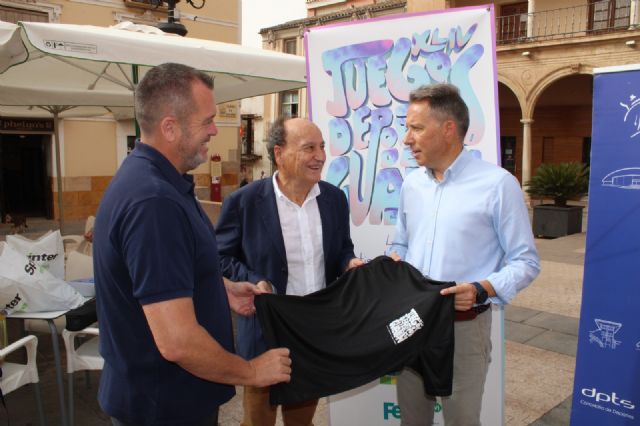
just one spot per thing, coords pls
(56, 134)
(134, 72)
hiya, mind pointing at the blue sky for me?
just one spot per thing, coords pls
(257, 14)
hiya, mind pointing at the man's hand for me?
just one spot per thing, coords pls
(395, 256)
(355, 262)
(241, 295)
(264, 286)
(273, 366)
(465, 294)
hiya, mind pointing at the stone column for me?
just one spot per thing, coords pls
(633, 15)
(526, 149)
(531, 9)
(424, 5)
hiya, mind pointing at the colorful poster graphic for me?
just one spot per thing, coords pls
(607, 377)
(359, 78)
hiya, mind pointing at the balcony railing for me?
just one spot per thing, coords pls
(589, 19)
(318, 3)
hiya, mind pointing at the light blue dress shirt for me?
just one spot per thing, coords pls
(472, 226)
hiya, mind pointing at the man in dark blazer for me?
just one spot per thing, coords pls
(289, 235)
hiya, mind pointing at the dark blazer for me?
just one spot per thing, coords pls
(252, 249)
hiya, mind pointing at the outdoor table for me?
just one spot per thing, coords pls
(49, 317)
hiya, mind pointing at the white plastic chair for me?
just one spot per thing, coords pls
(74, 242)
(78, 266)
(84, 357)
(16, 375)
(71, 242)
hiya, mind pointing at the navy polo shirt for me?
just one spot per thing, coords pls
(153, 242)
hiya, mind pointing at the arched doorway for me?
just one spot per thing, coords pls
(510, 130)
(561, 130)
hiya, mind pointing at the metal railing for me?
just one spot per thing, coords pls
(589, 19)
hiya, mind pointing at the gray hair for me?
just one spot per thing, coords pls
(166, 89)
(445, 102)
(277, 136)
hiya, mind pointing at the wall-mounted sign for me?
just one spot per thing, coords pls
(229, 110)
(26, 124)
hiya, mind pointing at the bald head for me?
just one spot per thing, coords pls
(295, 127)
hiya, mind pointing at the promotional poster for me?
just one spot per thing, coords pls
(359, 78)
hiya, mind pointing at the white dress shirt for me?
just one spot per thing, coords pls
(302, 234)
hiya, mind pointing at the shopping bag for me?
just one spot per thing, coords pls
(25, 287)
(45, 253)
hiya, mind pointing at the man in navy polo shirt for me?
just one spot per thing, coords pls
(162, 305)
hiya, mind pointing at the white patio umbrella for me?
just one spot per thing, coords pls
(84, 57)
(83, 70)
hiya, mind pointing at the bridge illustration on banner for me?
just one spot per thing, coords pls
(627, 178)
(604, 335)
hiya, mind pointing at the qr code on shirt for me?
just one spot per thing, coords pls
(405, 326)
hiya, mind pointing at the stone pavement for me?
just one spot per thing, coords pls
(541, 332)
(541, 327)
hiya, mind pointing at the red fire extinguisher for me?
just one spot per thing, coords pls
(216, 173)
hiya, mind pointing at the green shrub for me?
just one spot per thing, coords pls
(559, 181)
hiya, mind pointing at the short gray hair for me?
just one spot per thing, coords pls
(445, 101)
(277, 136)
(166, 89)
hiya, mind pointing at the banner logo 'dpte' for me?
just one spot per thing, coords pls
(605, 397)
(609, 403)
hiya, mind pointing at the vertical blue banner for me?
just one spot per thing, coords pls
(607, 377)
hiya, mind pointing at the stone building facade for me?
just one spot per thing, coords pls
(93, 148)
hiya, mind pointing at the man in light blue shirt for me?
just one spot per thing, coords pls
(460, 219)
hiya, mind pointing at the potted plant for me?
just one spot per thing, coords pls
(561, 182)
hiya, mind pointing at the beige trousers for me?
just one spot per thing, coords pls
(470, 365)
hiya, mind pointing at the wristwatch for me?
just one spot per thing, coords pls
(482, 294)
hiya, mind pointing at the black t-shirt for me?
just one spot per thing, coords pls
(373, 320)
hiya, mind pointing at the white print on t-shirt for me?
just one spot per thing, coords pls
(405, 326)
